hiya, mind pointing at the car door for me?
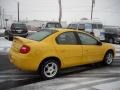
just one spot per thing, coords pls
(68, 49)
(92, 52)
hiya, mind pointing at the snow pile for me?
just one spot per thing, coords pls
(4, 45)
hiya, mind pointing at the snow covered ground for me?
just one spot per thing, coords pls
(4, 45)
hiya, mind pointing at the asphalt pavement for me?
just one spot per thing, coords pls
(5, 63)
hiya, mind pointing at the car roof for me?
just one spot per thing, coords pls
(63, 30)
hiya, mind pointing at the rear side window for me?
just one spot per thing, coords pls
(38, 36)
(67, 38)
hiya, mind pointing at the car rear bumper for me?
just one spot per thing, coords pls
(22, 35)
(23, 62)
(11, 35)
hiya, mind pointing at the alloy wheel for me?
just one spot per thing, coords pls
(50, 69)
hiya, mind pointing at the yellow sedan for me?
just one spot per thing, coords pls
(48, 51)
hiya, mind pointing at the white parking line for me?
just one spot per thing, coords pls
(2, 81)
(9, 71)
(63, 84)
(117, 55)
(109, 86)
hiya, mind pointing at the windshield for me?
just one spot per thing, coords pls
(81, 27)
(72, 26)
(53, 25)
(38, 36)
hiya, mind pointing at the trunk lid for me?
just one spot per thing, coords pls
(18, 42)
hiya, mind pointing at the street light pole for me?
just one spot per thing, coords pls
(93, 3)
(18, 10)
(6, 22)
(1, 17)
(60, 10)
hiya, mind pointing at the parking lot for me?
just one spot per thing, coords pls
(76, 78)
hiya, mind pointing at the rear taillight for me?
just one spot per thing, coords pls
(92, 33)
(24, 49)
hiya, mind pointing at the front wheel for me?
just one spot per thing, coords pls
(49, 69)
(108, 59)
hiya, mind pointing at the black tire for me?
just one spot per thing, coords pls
(49, 69)
(8, 36)
(108, 58)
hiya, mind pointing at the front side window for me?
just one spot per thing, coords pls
(86, 39)
(66, 38)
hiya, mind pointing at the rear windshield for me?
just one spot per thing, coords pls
(15, 26)
(38, 36)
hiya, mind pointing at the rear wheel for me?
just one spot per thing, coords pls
(108, 59)
(49, 69)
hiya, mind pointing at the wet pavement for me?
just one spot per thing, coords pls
(78, 78)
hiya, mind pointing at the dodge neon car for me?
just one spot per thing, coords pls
(48, 51)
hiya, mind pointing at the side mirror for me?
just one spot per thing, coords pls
(99, 43)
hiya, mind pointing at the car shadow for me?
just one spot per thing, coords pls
(63, 73)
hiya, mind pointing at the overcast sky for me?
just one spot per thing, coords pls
(73, 10)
